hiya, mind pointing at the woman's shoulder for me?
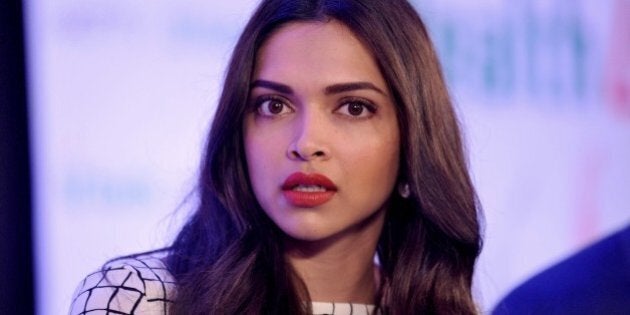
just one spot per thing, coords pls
(130, 285)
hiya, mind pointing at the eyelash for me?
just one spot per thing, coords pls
(365, 104)
(265, 98)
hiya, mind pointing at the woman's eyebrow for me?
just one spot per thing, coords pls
(331, 89)
(278, 87)
(352, 86)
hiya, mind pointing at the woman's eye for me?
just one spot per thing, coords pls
(357, 109)
(272, 107)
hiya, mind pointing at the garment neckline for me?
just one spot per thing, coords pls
(342, 308)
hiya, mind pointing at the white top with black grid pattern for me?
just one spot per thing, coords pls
(142, 285)
(130, 286)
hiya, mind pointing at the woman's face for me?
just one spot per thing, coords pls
(321, 138)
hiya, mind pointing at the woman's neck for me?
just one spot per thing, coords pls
(340, 268)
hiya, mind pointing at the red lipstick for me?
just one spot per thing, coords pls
(308, 190)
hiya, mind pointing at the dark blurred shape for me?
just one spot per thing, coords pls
(596, 280)
(16, 272)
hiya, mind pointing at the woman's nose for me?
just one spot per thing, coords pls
(311, 138)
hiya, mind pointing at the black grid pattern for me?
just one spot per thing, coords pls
(131, 286)
(142, 285)
(337, 308)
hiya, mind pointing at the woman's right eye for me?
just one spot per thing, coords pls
(271, 106)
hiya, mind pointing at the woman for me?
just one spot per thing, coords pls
(334, 179)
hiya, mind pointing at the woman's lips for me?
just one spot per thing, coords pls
(308, 190)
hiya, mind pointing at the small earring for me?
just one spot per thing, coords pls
(403, 190)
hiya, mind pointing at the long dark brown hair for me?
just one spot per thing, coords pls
(229, 257)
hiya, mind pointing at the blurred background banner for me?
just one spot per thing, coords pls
(122, 94)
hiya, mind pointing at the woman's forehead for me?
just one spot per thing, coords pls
(328, 50)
